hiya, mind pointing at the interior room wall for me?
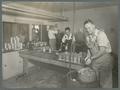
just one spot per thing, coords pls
(104, 18)
(25, 20)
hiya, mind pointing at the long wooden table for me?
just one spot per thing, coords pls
(46, 58)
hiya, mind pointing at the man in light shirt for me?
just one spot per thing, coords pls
(100, 58)
(52, 37)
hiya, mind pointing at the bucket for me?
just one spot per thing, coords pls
(86, 78)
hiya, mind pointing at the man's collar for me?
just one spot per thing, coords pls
(95, 33)
(69, 34)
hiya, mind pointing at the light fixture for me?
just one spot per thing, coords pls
(36, 26)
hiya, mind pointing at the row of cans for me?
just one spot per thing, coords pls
(71, 57)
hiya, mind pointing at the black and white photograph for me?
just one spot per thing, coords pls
(59, 44)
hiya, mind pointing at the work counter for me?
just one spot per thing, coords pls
(46, 58)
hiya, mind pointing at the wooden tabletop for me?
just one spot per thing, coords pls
(48, 58)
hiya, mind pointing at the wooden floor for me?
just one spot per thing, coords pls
(37, 77)
(42, 77)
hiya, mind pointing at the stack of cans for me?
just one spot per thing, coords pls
(76, 58)
(73, 57)
(61, 57)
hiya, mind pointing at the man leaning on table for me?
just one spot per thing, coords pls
(99, 47)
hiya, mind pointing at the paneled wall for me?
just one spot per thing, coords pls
(11, 29)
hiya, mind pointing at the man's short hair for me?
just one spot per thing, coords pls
(51, 27)
(67, 28)
(88, 21)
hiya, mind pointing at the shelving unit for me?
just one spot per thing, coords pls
(12, 64)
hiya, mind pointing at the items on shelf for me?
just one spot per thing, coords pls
(14, 44)
(41, 46)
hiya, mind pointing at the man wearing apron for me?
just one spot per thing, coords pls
(67, 40)
(100, 48)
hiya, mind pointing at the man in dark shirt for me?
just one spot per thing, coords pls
(59, 36)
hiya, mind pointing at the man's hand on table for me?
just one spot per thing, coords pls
(88, 60)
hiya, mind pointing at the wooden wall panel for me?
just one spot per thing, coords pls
(45, 34)
(7, 32)
(14, 29)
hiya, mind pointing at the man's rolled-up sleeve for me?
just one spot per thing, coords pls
(102, 39)
(63, 39)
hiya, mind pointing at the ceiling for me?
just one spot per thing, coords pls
(48, 10)
(62, 6)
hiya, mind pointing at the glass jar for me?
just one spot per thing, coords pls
(80, 54)
(63, 57)
(59, 57)
(50, 50)
(9, 46)
(75, 58)
(6, 47)
(45, 43)
(72, 58)
(66, 56)
(79, 59)
(44, 50)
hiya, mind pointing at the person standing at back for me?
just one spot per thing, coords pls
(52, 38)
